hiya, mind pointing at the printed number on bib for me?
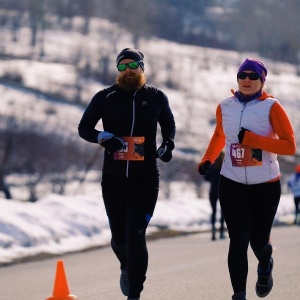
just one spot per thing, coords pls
(245, 156)
(134, 149)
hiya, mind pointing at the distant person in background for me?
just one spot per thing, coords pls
(213, 176)
(254, 128)
(294, 185)
(130, 111)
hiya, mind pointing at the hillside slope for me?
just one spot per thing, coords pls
(194, 78)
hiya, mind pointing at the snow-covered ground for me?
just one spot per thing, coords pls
(61, 224)
(194, 78)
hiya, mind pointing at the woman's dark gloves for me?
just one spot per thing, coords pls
(164, 152)
(242, 134)
(204, 167)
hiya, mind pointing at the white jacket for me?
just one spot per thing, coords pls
(254, 116)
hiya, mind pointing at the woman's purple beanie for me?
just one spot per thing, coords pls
(253, 64)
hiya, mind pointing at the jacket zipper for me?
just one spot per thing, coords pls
(244, 107)
(132, 126)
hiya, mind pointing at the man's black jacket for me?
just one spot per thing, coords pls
(129, 114)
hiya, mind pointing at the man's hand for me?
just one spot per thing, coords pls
(204, 167)
(113, 144)
(164, 152)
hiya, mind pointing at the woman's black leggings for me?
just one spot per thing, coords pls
(249, 212)
(129, 205)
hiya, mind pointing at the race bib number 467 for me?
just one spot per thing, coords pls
(245, 156)
(134, 149)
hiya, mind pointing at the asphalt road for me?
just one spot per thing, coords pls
(180, 268)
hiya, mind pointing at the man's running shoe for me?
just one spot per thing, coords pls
(124, 283)
(264, 282)
(239, 296)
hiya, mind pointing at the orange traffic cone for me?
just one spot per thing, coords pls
(61, 288)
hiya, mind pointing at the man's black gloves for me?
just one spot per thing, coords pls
(113, 144)
(110, 142)
(242, 134)
(164, 152)
(204, 167)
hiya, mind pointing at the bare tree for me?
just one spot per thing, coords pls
(37, 14)
(42, 157)
(5, 154)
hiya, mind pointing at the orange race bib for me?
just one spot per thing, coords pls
(245, 156)
(134, 149)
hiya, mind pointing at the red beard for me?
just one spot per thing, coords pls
(133, 83)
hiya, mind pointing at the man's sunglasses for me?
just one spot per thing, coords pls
(251, 76)
(131, 65)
